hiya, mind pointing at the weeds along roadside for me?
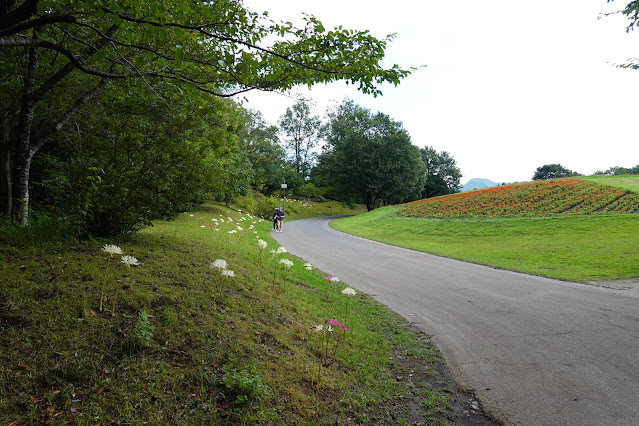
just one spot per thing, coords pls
(180, 341)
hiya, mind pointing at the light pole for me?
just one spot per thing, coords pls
(284, 198)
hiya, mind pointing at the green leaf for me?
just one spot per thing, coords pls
(179, 55)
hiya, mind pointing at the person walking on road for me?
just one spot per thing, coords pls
(280, 219)
(276, 218)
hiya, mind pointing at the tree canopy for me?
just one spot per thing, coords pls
(215, 46)
(135, 159)
(552, 171)
(369, 156)
(617, 171)
(442, 174)
(302, 131)
(59, 55)
(261, 142)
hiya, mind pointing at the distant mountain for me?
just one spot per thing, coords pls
(477, 183)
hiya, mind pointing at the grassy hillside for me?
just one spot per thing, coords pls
(296, 209)
(627, 182)
(529, 228)
(86, 339)
(540, 198)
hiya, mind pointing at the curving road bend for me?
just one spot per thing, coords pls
(535, 351)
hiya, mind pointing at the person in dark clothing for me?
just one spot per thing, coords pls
(275, 218)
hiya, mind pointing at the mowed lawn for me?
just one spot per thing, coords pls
(576, 248)
(628, 182)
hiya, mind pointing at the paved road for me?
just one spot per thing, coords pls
(535, 351)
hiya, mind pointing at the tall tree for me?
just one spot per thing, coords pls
(302, 135)
(370, 156)
(442, 175)
(261, 142)
(217, 47)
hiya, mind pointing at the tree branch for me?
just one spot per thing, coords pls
(70, 112)
(77, 62)
(201, 29)
(37, 22)
(68, 68)
(25, 11)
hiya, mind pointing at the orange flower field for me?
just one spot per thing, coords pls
(540, 198)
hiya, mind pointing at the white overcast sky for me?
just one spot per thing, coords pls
(509, 85)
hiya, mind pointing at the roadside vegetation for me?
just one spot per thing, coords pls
(300, 209)
(203, 320)
(546, 237)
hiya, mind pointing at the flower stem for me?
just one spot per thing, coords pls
(115, 298)
(326, 351)
(106, 269)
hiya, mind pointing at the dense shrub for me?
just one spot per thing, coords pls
(246, 203)
(265, 206)
(137, 160)
(309, 190)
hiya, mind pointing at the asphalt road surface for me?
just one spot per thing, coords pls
(535, 351)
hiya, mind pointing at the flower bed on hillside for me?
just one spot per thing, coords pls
(541, 198)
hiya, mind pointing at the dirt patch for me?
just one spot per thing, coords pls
(433, 392)
(631, 285)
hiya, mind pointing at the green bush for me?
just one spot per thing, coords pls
(114, 179)
(349, 204)
(143, 330)
(290, 207)
(244, 385)
(265, 206)
(246, 203)
(43, 226)
(309, 190)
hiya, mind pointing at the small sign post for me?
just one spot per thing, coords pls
(284, 186)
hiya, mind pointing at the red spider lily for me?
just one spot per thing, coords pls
(336, 323)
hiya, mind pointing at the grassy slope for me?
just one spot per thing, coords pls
(305, 209)
(249, 358)
(577, 248)
(629, 182)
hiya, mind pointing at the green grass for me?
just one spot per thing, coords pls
(305, 209)
(628, 182)
(576, 248)
(186, 346)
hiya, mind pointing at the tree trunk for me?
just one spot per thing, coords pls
(6, 189)
(25, 147)
(6, 194)
(23, 166)
(24, 154)
(22, 162)
(368, 199)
